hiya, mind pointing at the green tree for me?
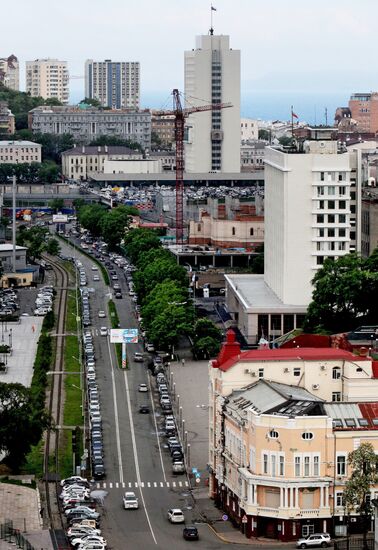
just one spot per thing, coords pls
(161, 297)
(90, 217)
(115, 223)
(205, 348)
(206, 328)
(56, 204)
(93, 102)
(115, 140)
(265, 135)
(138, 241)
(52, 247)
(49, 172)
(157, 272)
(169, 325)
(20, 426)
(285, 140)
(34, 238)
(363, 477)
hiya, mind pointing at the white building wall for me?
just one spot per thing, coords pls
(249, 130)
(198, 86)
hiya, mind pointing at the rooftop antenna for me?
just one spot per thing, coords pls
(326, 116)
(211, 19)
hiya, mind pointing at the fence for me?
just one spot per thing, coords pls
(355, 543)
(9, 534)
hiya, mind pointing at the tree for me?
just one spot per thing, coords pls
(157, 272)
(115, 140)
(114, 224)
(138, 241)
(93, 102)
(160, 298)
(34, 238)
(20, 426)
(56, 204)
(49, 172)
(206, 347)
(206, 328)
(90, 217)
(285, 140)
(364, 476)
(169, 325)
(52, 247)
(265, 135)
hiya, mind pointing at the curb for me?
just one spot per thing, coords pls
(251, 542)
(218, 535)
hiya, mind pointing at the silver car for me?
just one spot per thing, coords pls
(315, 540)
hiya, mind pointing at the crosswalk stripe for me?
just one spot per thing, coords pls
(136, 484)
(167, 483)
(161, 484)
(123, 485)
(155, 484)
(142, 484)
(174, 483)
(104, 485)
(129, 485)
(180, 483)
(98, 485)
(148, 484)
(186, 484)
(117, 485)
(110, 485)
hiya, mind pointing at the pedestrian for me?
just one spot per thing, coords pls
(33, 328)
(183, 362)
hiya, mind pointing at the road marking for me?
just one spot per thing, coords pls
(161, 484)
(155, 484)
(167, 482)
(148, 484)
(129, 485)
(118, 438)
(174, 483)
(156, 428)
(180, 483)
(186, 484)
(97, 485)
(117, 485)
(110, 485)
(123, 485)
(136, 484)
(135, 452)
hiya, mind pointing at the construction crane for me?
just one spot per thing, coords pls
(180, 116)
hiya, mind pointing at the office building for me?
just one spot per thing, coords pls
(20, 152)
(85, 125)
(212, 76)
(9, 72)
(115, 84)
(48, 78)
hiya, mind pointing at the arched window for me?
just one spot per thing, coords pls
(336, 373)
(307, 436)
(273, 434)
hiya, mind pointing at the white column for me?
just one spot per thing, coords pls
(291, 497)
(285, 497)
(281, 496)
(255, 495)
(321, 496)
(327, 496)
(296, 497)
(250, 493)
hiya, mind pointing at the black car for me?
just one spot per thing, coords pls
(144, 409)
(190, 532)
(176, 455)
(118, 295)
(98, 471)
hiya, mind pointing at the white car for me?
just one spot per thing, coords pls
(103, 331)
(130, 501)
(41, 312)
(142, 388)
(101, 314)
(86, 539)
(92, 546)
(74, 480)
(82, 531)
(94, 268)
(175, 515)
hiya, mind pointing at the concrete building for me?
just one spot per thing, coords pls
(87, 124)
(369, 221)
(7, 119)
(115, 84)
(48, 78)
(163, 126)
(281, 425)
(249, 130)
(231, 224)
(80, 162)
(312, 212)
(212, 76)
(9, 72)
(19, 152)
(364, 110)
(252, 156)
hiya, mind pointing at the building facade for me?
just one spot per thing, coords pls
(312, 212)
(281, 426)
(369, 221)
(163, 126)
(20, 152)
(9, 72)
(212, 76)
(48, 78)
(80, 162)
(252, 156)
(249, 130)
(115, 84)
(85, 125)
(364, 110)
(7, 120)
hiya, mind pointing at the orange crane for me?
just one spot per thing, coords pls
(180, 116)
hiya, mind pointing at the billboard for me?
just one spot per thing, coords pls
(59, 218)
(124, 335)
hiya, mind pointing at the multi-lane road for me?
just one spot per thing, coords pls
(135, 455)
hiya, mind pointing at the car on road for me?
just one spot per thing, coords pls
(190, 532)
(178, 467)
(94, 268)
(138, 357)
(315, 540)
(82, 530)
(98, 471)
(142, 388)
(150, 347)
(144, 409)
(118, 295)
(114, 277)
(103, 331)
(130, 501)
(96, 278)
(91, 546)
(175, 515)
(101, 314)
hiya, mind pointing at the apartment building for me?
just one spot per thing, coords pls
(80, 162)
(115, 84)
(369, 221)
(48, 78)
(163, 126)
(281, 425)
(7, 119)
(85, 125)
(363, 108)
(9, 72)
(249, 130)
(212, 76)
(252, 155)
(19, 152)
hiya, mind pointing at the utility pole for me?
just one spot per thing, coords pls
(326, 116)
(14, 223)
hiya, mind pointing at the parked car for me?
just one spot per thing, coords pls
(315, 540)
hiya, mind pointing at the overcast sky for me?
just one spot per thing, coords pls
(309, 45)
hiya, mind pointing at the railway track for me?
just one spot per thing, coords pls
(51, 454)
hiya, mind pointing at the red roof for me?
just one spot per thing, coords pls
(292, 354)
(369, 411)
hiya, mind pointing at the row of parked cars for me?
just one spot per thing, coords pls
(44, 300)
(8, 302)
(83, 520)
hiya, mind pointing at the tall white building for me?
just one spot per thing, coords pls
(312, 212)
(115, 84)
(48, 78)
(9, 72)
(212, 75)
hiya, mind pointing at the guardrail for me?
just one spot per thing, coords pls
(14, 536)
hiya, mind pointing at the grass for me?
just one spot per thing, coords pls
(34, 460)
(114, 319)
(72, 415)
(71, 323)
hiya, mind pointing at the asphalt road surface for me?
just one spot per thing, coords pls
(135, 455)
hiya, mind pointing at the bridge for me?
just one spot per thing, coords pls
(27, 194)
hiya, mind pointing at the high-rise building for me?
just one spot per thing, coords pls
(9, 72)
(48, 78)
(115, 84)
(212, 75)
(312, 212)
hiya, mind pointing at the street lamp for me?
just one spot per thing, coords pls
(10, 339)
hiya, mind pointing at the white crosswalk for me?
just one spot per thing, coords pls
(142, 484)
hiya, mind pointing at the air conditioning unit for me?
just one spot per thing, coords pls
(315, 386)
(286, 369)
(322, 367)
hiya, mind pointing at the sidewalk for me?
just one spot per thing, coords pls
(21, 505)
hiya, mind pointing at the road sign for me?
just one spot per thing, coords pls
(60, 218)
(198, 475)
(198, 480)
(244, 519)
(194, 470)
(124, 335)
(225, 517)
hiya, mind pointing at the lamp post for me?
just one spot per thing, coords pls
(10, 339)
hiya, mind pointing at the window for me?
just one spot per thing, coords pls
(336, 373)
(273, 434)
(233, 230)
(339, 498)
(342, 205)
(297, 371)
(282, 465)
(331, 205)
(363, 422)
(273, 459)
(321, 176)
(307, 436)
(261, 373)
(316, 469)
(321, 232)
(297, 466)
(320, 260)
(342, 218)
(265, 463)
(320, 218)
(350, 422)
(342, 232)
(331, 232)
(306, 466)
(320, 191)
(341, 465)
(336, 396)
(321, 205)
(337, 423)
(331, 190)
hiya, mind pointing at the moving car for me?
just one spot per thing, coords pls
(101, 314)
(130, 501)
(143, 388)
(144, 409)
(138, 357)
(175, 515)
(103, 331)
(190, 532)
(315, 540)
